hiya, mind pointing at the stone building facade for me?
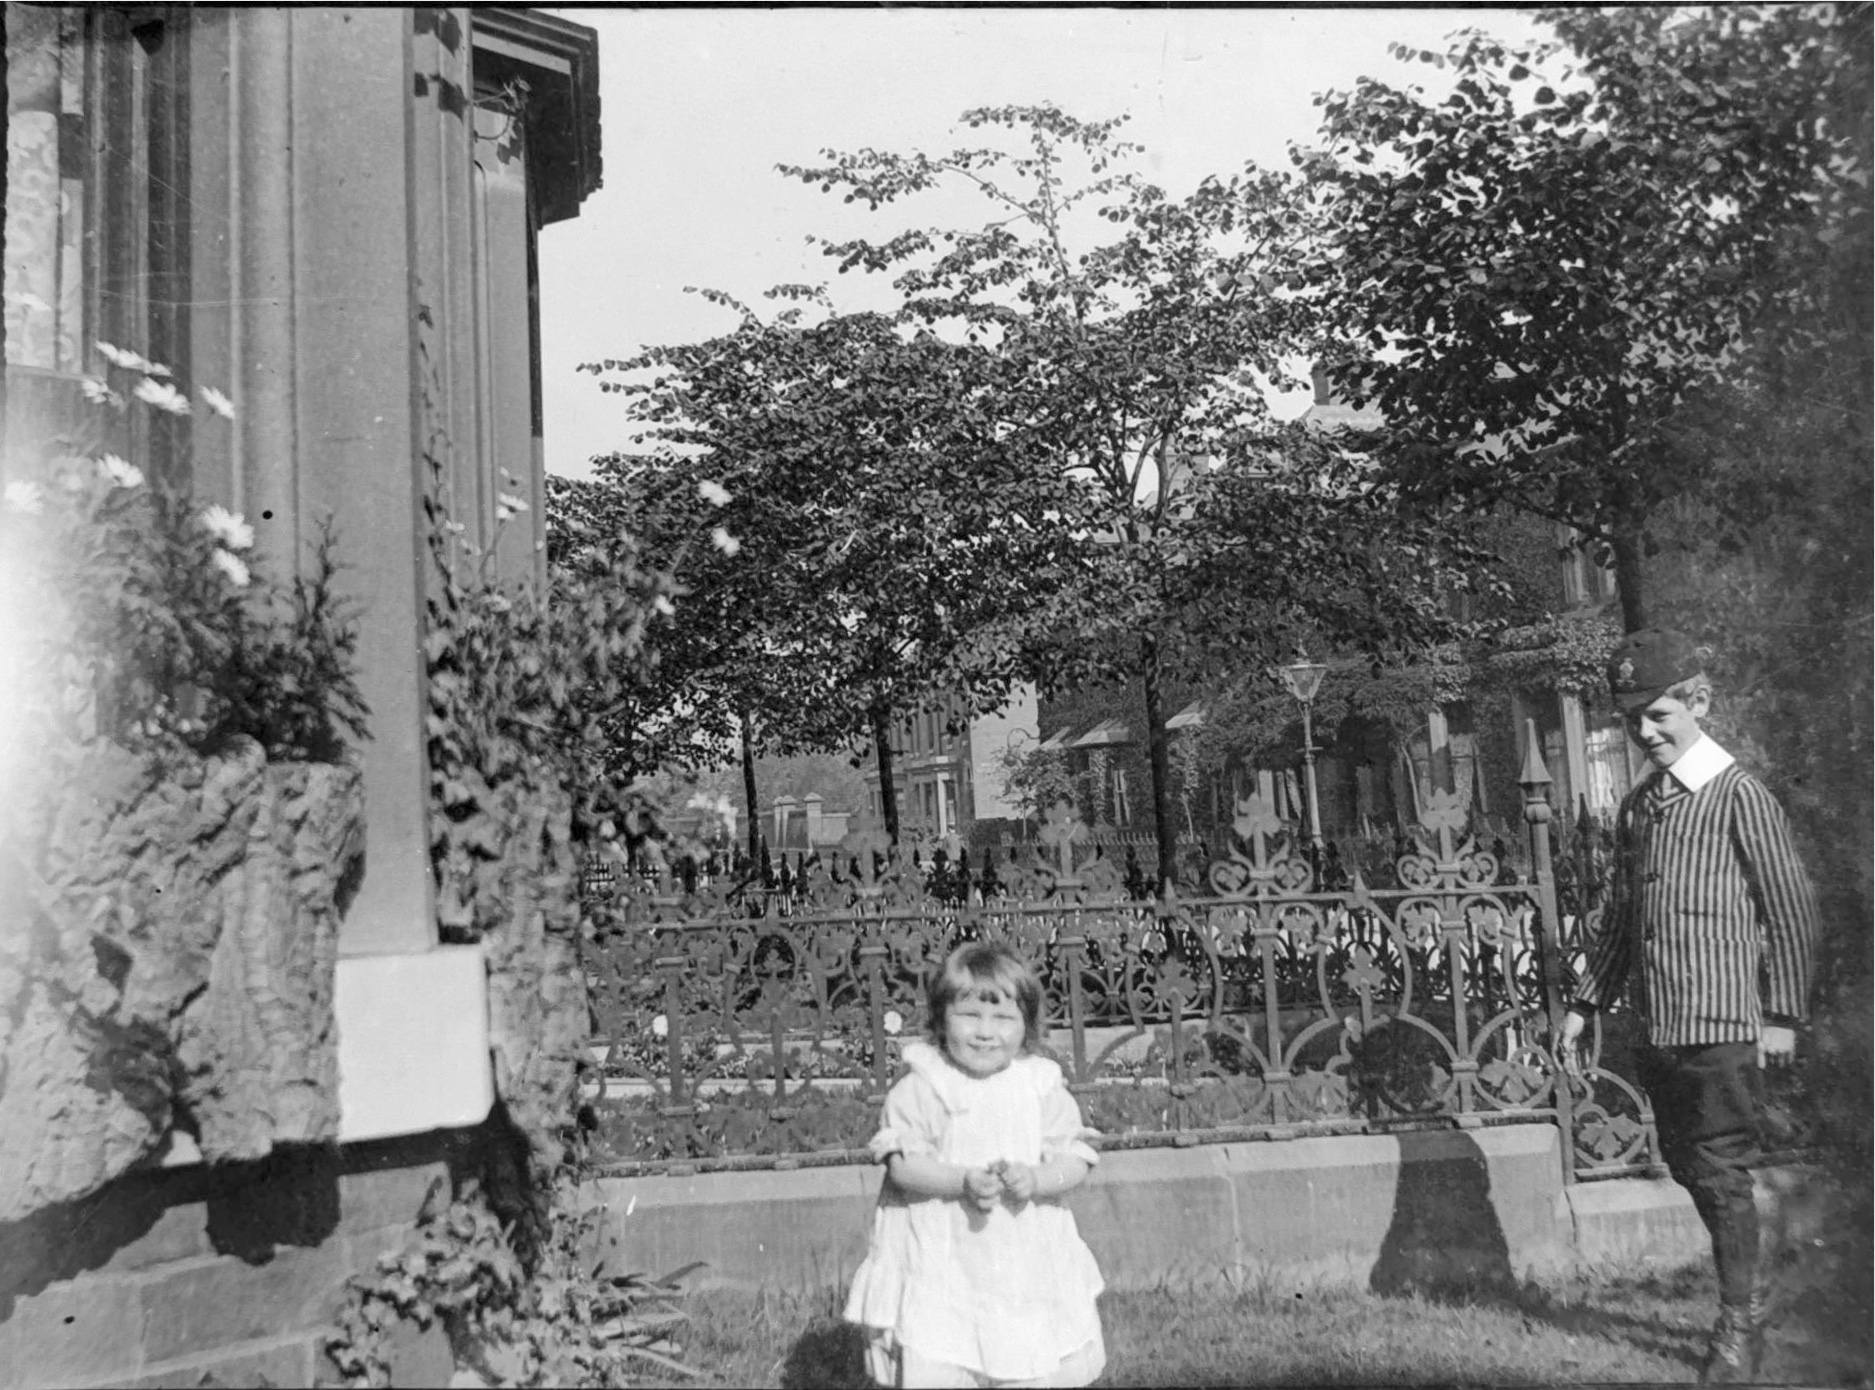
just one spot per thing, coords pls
(330, 216)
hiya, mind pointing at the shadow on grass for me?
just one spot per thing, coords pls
(829, 1355)
(1658, 1333)
(1445, 1245)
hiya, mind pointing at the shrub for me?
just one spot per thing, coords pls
(137, 615)
(556, 1323)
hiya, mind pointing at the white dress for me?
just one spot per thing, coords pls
(1005, 1295)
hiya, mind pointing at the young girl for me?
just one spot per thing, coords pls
(976, 1274)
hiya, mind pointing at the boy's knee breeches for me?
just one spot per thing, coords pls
(1707, 1104)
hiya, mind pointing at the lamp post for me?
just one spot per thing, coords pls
(1303, 679)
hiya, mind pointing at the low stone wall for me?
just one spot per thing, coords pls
(1350, 1209)
(1464, 1208)
(216, 1274)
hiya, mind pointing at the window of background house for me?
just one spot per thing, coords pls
(1586, 583)
(97, 218)
(47, 176)
(1122, 803)
(1607, 758)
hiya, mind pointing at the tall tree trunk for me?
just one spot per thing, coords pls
(748, 790)
(1159, 757)
(1628, 584)
(888, 792)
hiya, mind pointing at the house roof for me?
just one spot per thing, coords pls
(1106, 732)
(1188, 718)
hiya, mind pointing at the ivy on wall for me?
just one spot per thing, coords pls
(1567, 655)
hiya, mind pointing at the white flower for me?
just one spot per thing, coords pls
(507, 504)
(231, 566)
(228, 528)
(664, 605)
(25, 497)
(130, 361)
(161, 395)
(724, 542)
(893, 1022)
(660, 1027)
(713, 492)
(218, 403)
(98, 393)
(455, 528)
(120, 473)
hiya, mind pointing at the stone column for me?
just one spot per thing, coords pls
(354, 397)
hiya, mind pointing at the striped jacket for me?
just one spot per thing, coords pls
(1710, 896)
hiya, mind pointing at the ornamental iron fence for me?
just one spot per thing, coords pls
(738, 1024)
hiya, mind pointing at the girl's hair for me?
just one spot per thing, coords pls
(992, 973)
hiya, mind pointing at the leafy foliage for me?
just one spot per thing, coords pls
(874, 525)
(1567, 654)
(141, 617)
(1253, 719)
(523, 687)
(558, 1323)
(1034, 779)
(1194, 526)
(1548, 279)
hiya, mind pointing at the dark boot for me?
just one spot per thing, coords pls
(1759, 1313)
(1736, 1347)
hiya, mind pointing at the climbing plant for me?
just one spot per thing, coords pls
(560, 1319)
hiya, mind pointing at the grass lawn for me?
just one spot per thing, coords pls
(1579, 1331)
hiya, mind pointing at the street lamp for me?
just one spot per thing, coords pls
(1303, 679)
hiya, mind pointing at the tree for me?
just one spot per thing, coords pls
(1200, 528)
(1549, 278)
(688, 708)
(880, 550)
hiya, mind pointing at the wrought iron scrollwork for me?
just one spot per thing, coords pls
(738, 1018)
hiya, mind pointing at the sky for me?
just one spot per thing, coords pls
(698, 106)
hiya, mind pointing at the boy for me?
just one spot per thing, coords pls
(1713, 905)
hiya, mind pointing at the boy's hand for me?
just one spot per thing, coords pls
(983, 1188)
(1019, 1181)
(1573, 1024)
(1776, 1045)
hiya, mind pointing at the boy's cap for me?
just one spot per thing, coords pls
(1649, 663)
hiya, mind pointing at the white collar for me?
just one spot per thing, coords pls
(955, 1087)
(1699, 764)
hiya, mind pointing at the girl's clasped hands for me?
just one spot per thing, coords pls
(1000, 1181)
